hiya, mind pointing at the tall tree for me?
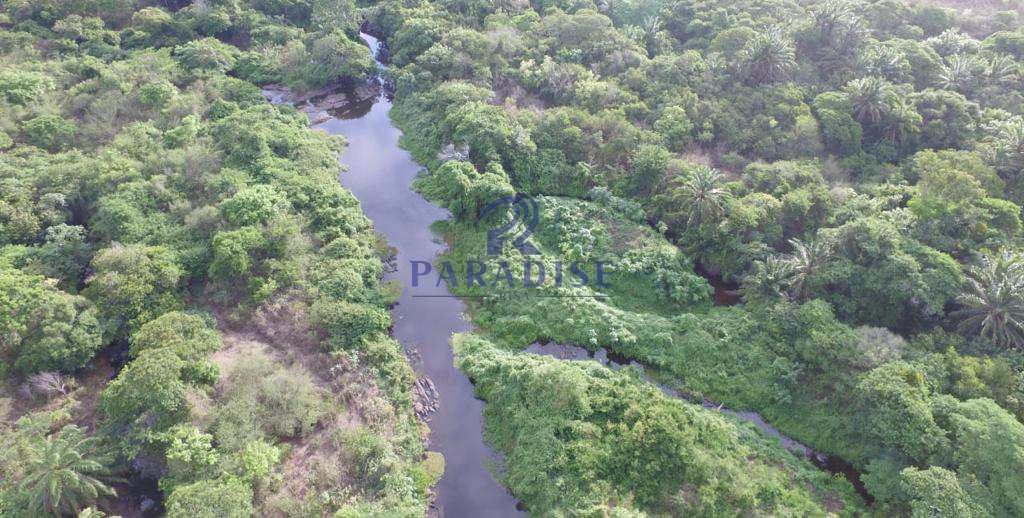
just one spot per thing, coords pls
(700, 196)
(770, 279)
(871, 98)
(807, 260)
(66, 473)
(768, 57)
(993, 303)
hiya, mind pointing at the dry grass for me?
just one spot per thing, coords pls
(316, 462)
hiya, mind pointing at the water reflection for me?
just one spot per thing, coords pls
(379, 175)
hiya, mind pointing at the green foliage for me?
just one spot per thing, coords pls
(992, 302)
(464, 191)
(429, 471)
(767, 57)
(260, 397)
(65, 473)
(132, 284)
(21, 87)
(346, 325)
(259, 462)
(139, 183)
(610, 438)
(206, 55)
(695, 198)
(122, 133)
(50, 132)
(45, 328)
(221, 498)
(895, 403)
(955, 186)
(190, 457)
(255, 205)
(676, 126)
(157, 95)
(147, 395)
(841, 132)
(190, 337)
(334, 57)
(936, 492)
(920, 118)
(985, 442)
(877, 273)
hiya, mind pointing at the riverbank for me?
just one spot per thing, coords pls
(380, 173)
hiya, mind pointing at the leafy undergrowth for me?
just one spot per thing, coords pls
(153, 205)
(581, 439)
(645, 279)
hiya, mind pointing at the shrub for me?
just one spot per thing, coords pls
(189, 336)
(23, 87)
(147, 396)
(259, 396)
(206, 56)
(43, 327)
(157, 95)
(132, 284)
(50, 132)
(345, 324)
(222, 498)
(254, 205)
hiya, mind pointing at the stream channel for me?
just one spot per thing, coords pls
(380, 174)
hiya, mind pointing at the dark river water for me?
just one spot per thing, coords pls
(379, 174)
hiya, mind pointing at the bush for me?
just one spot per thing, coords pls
(50, 132)
(157, 95)
(612, 440)
(206, 56)
(222, 498)
(132, 284)
(345, 324)
(43, 327)
(23, 87)
(254, 205)
(190, 456)
(334, 57)
(148, 395)
(260, 396)
(189, 336)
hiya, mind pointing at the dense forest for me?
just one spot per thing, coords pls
(807, 210)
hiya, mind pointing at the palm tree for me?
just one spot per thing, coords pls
(960, 73)
(769, 280)
(700, 195)
(768, 57)
(65, 474)
(994, 300)
(901, 119)
(807, 261)
(871, 98)
(1000, 70)
(1005, 141)
(885, 61)
(836, 34)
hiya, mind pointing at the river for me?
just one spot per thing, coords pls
(379, 175)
